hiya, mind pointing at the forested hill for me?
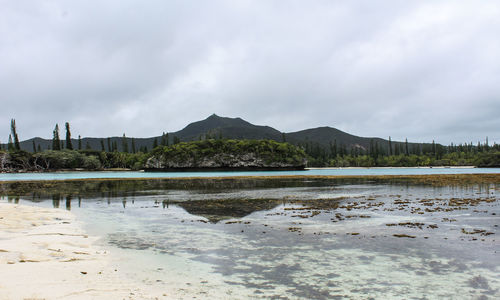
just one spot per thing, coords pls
(230, 128)
(322, 138)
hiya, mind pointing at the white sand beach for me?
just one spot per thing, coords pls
(45, 254)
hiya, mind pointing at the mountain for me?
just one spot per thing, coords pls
(324, 136)
(233, 128)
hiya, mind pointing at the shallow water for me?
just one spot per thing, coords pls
(314, 241)
(339, 171)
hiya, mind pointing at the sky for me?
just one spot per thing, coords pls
(422, 70)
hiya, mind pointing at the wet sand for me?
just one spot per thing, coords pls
(45, 254)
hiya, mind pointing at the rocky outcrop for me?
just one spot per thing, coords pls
(221, 160)
(226, 154)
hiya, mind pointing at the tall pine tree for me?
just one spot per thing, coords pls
(56, 141)
(124, 144)
(133, 146)
(390, 147)
(13, 131)
(69, 145)
(10, 146)
(163, 139)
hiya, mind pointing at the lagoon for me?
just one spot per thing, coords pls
(312, 172)
(295, 238)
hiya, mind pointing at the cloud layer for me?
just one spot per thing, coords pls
(423, 70)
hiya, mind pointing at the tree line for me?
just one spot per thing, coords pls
(379, 153)
(127, 145)
(402, 154)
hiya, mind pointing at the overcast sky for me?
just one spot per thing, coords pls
(418, 69)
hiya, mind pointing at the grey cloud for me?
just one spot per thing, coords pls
(424, 70)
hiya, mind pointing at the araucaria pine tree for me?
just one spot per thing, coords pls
(163, 140)
(13, 131)
(124, 144)
(69, 145)
(10, 146)
(390, 147)
(133, 146)
(56, 141)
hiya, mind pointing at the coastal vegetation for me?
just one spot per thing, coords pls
(224, 153)
(213, 150)
(199, 154)
(480, 155)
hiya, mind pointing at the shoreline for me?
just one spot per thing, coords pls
(419, 167)
(46, 254)
(170, 170)
(246, 177)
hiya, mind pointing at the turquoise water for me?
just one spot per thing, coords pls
(353, 171)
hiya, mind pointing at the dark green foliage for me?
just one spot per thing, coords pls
(164, 139)
(117, 159)
(124, 144)
(176, 140)
(268, 150)
(133, 146)
(19, 159)
(155, 143)
(390, 146)
(71, 159)
(232, 128)
(10, 146)
(488, 160)
(14, 134)
(56, 141)
(66, 159)
(69, 145)
(34, 147)
(79, 142)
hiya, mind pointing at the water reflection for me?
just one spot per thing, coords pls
(217, 210)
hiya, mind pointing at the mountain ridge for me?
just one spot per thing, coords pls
(216, 127)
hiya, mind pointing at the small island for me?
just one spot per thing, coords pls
(227, 155)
